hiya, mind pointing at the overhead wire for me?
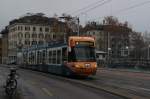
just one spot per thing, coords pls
(132, 7)
(128, 8)
(94, 7)
(81, 9)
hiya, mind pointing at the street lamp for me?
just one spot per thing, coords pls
(127, 48)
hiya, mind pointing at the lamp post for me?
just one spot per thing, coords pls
(108, 61)
(127, 48)
(148, 52)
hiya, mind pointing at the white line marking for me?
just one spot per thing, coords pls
(47, 91)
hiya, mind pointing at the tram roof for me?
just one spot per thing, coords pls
(48, 45)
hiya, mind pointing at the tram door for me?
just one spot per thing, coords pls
(64, 55)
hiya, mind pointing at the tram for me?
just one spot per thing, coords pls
(76, 57)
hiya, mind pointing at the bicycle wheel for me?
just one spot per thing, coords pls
(10, 87)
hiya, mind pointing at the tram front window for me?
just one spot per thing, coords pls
(82, 54)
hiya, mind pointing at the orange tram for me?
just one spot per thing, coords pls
(76, 57)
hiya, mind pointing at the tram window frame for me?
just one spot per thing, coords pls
(38, 57)
(64, 54)
(43, 56)
(31, 57)
(50, 53)
(54, 57)
(58, 56)
(25, 57)
(35, 61)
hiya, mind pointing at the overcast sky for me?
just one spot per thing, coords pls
(138, 17)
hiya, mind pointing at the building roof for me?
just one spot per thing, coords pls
(35, 19)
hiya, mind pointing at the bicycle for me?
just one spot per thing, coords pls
(11, 83)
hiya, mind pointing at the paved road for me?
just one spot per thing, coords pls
(35, 85)
(134, 82)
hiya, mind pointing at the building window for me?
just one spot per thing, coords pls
(41, 35)
(27, 35)
(27, 42)
(93, 33)
(34, 35)
(54, 36)
(27, 28)
(20, 35)
(41, 42)
(18, 27)
(46, 29)
(34, 42)
(41, 29)
(21, 28)
(34, 28)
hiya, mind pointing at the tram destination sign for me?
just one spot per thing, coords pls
(85, 43)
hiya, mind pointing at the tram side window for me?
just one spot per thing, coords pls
(38, 57)
(33, 60)
(43, 56)
(54, 57)
(35, 57)
(25, 55)
(58, 56)
(29, 58)
(50, 57)
(32, 57)
(64, 54)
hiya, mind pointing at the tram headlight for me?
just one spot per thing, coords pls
(95, 65)
(77, 66)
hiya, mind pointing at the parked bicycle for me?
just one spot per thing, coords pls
(11, 82)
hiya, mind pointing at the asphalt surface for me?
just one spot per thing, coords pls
(137, 83)
(35, 85)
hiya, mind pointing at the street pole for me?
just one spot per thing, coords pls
(148, 52)
(127, 48)
(78, 26)
(108, 49)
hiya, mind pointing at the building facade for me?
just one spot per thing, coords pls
(33, 30)
(4, 46)
(24, 35)
(114, 40)
(0, 50)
